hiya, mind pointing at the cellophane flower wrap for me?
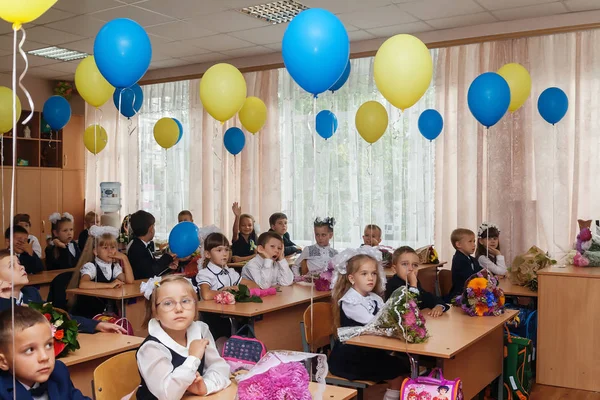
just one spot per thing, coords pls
(64, 329)
(399, 317)
(281, 375)
(588, 249)
(481, 297)
(524, 268)
(386, 255)
(321, 281)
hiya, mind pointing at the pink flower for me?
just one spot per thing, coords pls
(580, 260)
(412, 304)
(224, 298)
(283, 382)
(421, 332)
(409, 318)
(585, 234)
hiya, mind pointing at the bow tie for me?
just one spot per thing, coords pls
(223, 272)
(40, 390)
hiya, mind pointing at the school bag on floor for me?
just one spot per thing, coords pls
(243, 352)
(429, 387)
(518, 375)
(525, 325)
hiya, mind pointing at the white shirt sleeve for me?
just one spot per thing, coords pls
(89, 269)
(358, 312)
(205, 277)
(164, 382)
(499, 268)
(35, 244)
(216, 370)
(252, 271)
(285, 276)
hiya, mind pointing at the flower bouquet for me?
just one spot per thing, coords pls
(321, 281)
(243, 295)
(428, 255)
(281, 375)
(64, 89)
(588, 249)
(399, 317)
(481, 297)
(386, 255)
(524, 268)
(64, 330)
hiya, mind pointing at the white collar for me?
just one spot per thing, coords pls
(145, 243)
(321, 247)
(214, 268)
(103, 264)
(193, 332)
(353, 297)
(20, 298)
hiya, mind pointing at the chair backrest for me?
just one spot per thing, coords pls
(318, 332)
(57, 293)
(116, 377)
(427, 278)
(445, 279)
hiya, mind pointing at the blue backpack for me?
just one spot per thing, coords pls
(525, 325)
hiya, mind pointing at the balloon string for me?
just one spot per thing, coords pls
(12, 193)
(314, 148)
(2, 178)
(29, 99)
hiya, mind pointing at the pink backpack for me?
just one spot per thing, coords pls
(243, 352)
(115, 319)
(430, 388)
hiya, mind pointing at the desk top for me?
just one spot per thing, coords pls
(100, 345)
(571, 270)
(450, 334)
(511, 289)
(390, 271)
(288, 297)
(127, 291)
(46, 276)
(330, 392)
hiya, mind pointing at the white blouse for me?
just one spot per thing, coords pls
(35, 245)
(316, 258)
(90, 270)
(499, 268)
(267, 273)
(360, 308)
(155, 363)
(218, 278)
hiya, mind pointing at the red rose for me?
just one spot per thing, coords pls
(48, 316)
(58, 347)
(59, 335)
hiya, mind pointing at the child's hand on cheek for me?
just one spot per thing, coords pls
(60, 244)
(412, 279)
(5, 289)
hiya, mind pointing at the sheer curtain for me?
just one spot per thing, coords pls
(540, 178)
(389, 183)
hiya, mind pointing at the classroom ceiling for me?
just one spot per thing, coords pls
(197, 31)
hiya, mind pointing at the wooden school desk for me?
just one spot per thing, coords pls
(467, 347)
(130, 295)
(568, 343)
(511, 289)
(44, 278)
(328, 393)
(94, 350)
(277, 319)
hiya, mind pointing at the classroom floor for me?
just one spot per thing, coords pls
(540, 392)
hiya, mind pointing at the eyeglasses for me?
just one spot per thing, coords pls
(187, 303)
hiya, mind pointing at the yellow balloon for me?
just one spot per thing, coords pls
(403, 69)
(6, 107)
(519, 82)
(222, 91)
(95, 138)
(166, 132)
(253, 114)
(371, 121)
(90, 83)
(23, 11)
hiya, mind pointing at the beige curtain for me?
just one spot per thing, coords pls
(539, 178)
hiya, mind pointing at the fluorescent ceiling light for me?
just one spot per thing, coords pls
(276, 12)
(57, 53)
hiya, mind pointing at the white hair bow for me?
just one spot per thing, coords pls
(97, 231)
(148, 287)
(55, 217)
(340, 262)
(485, 226)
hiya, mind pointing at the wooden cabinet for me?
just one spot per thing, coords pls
(54, 179)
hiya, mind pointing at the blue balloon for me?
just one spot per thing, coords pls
(183, 239)
(326, 124)
(131, 100)
(57, 112)
(488, 98)
(180, 129)
(553, 104)
(430, 124)
(338, 85)
(234, 140)
(315, 49)
(122, 52)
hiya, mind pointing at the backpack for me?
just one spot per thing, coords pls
(518, 374)
(243, 352)
(115, 319)
(428, 387)
(525, 325)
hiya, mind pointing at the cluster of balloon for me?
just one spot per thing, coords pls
(222, 91)
(326, 123)
(56, 112)
(183, 239)
(95, 138)
(430, 124)
(253, 114)
(488, 98)
(90, 83)
(371, 121)
(6, 109)
(316, 50)
(234, 140)
(167, 132)
(129, 100)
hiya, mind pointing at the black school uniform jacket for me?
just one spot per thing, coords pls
(64, 260)
(143, 263)
(463, 267)
(31, 263)
(289, 247)
(425, 298)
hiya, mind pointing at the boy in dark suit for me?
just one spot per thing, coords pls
(278, 222)
(141, 250)
(463, 265)
(37, 374)
(24, 249)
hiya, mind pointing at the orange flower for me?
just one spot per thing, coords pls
(501, 300)
(478, 283)
(59, 335)
(480, 309)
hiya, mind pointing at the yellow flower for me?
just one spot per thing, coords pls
(478, 283)
(480, 309)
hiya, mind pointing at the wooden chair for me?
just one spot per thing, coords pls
(116, 377)
(428, 279)
(320, 336)
(445, 280)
